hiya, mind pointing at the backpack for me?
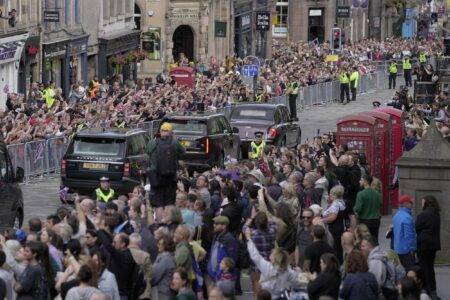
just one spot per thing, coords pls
(167, 161)
(393, 276)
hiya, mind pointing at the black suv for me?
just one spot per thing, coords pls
(117, 153)
(207, 138)
(11, 199)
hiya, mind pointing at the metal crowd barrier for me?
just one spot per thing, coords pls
(38, 158)
(43, 157)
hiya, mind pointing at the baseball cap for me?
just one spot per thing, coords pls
(21, 236)
(405, 199)
(221, 220)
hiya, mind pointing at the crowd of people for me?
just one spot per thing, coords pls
(304, 223)
(46, 113)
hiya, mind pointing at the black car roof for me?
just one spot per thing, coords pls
(112, 132)
(257, 104)
(193, 116)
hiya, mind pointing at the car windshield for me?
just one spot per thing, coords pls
(98, 146)
(189, 126)
(253, 113)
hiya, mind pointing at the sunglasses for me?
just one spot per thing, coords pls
(306, 217)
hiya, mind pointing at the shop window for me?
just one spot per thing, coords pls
(151, 43)
(281, 20)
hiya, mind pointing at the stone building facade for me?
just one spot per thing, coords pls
(199, 29)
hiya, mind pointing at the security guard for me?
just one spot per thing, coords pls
(120, 122)
(354, 81)
(49, 95)
(104, 193)
(392, 74)
(407, 70)
(292, 91)
(345, 86)
(257, 146)
(422, 57)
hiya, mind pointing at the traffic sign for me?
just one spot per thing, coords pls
(250, 70)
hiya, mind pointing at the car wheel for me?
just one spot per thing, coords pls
(18, 219)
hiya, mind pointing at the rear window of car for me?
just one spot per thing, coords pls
(251, 113)
(189, 126)
(98, 146)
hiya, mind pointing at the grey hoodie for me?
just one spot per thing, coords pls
(81, 293)
(377, 259)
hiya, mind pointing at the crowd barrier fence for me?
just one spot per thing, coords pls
(43, 157)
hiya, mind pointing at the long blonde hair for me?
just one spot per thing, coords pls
(280, 259)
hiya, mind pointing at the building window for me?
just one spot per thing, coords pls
(105, 9)
(120, 7)
(67, 12)
(128, 7)
(77, 8)
(281, 21)
(112, 8)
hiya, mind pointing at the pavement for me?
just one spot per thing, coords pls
(41, 197)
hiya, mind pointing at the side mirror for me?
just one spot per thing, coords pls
(20, 174)
(235, 130)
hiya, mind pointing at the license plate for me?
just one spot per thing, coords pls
(95, 166)
(185, 143)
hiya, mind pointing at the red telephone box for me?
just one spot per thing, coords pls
(358, 133)
(398, 135)
(183, 76)
(383, 150)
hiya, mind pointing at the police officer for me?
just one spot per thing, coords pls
(257, 146)
(407, 70)
(344, 80)
(120, 122)
(104, 193)
(354, 81)
(392, 74)
(422, 57)
(292, 91)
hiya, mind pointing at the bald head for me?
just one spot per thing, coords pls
(348, 241)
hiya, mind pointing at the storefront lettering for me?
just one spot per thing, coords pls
(185, 13)
(7, 55)
(354, 129)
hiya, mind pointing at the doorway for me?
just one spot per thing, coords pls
(137, 17)
(183, 42)
(316, 25)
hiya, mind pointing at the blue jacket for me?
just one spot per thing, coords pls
(405, 239)
(224, 245)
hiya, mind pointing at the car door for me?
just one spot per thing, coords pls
(279, 125)
(136, 156)
(227, 136)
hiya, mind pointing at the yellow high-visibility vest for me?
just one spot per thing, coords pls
(343, 78)
(354, 77)
(406, 64)
(257, 150)
(422, 58)
(48, 96)
(104, 197)
(393, 68)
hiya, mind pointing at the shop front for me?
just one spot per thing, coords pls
(65, 62)
(119, 55)
(10, 54)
